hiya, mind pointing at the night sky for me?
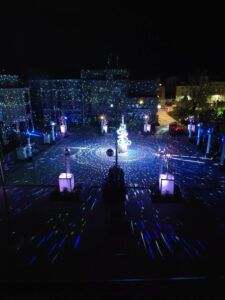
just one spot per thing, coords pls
(152, 41)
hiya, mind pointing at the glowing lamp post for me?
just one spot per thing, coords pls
(209, 133)
(123, 141)
(66, 180)
(53, 131)
(21, 153)
(147, 127)
(63, 128)
(67, 159)
(222, 159)
(104, 126)
(191, 128)
(65, 122)
(199, 134)
(47, 138)
(29, 147)
(141, 102)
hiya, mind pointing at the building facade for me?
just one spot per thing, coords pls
(96, 92)
(215, 90)
(15, 107)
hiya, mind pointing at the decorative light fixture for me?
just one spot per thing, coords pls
(123, 141)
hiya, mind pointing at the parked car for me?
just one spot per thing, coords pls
(177, 128)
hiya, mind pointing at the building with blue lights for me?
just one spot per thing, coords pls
(95, 93)
(15, 107)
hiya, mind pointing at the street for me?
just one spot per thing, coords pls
(157, 240)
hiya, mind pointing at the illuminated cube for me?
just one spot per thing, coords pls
(147, 128)
(47, 139)
(166, 184)
(21, 152)
(105, 128)
(66, 182)
(63, 128)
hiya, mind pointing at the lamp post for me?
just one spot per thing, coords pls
(147, 127)
(67, 160)
(65, 122)
(191, 127)
(190, 130)
(222, 159)
(29, 147)
(53, 131)
(103, 124)
(199, 133)
(209, 132)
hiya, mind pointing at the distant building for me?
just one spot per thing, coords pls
(93, 94)
(15, 106)
(53, 98)
(216, 92)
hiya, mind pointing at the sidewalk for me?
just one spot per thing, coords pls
(164, 121)
(164, 118)
(38, 147)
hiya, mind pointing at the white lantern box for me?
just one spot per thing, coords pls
(63, 128)
(191, 127)
(166, 184)
(21, 153)
(47, 138)
(147, 128)
(105, 128)
(66, 182)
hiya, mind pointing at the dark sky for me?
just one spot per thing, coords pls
(152, 41)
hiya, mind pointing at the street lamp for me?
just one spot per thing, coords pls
(53, 131)
(104, 126)
(222, 160)
(65, 121)
(29, 147)
(199, 133)
(147, 127)
(209, 133)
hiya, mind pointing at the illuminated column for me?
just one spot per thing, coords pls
(222, 160)
(199, 133)
(123, 141)
(47, 139)
(191, 127)
(104, 126)
(53, 131)
(67, 159)
(63, 129)
(209, 132)
(146, 128)
(29, 147)
(190, 130)
(65, 122)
